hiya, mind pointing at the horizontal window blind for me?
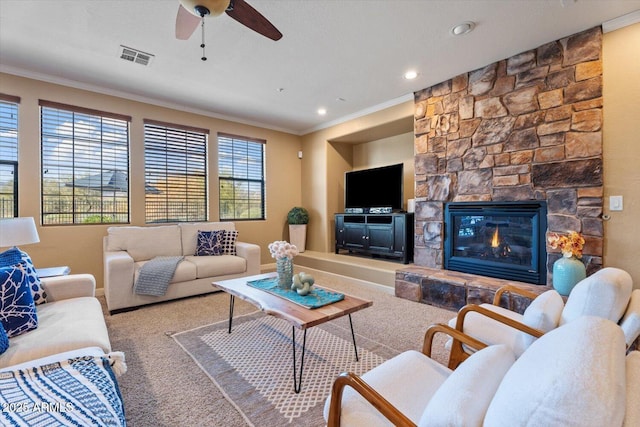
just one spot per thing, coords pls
(241, 177)
(85, 166)
(175, 173)
(8, 156)
(8, 131)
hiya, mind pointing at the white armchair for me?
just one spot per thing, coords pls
(583, 383)
(605, 294)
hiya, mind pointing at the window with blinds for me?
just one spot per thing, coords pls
(241, 177)
(85, 165)
(8, 156)
(175, 162)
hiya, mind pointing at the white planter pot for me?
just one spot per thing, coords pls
(298, 235)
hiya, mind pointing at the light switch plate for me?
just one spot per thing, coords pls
(615, 203)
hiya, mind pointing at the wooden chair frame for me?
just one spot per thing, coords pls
(512, 290)
(373, 397)
(458, 354)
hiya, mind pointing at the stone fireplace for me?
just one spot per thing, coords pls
(527, 128)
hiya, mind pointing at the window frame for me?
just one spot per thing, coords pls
(120, 125)
(14, 102)
(196, 147)
(242, 177)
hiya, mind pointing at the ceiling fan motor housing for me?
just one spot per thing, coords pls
(209, 7)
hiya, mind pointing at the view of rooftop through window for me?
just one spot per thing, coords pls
(85, 165)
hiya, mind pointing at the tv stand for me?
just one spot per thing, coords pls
(387, 235)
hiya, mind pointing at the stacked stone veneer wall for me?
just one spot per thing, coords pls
(525, 128)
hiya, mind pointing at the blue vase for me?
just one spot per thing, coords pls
(567, 272)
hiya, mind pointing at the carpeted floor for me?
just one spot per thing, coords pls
(165, 387)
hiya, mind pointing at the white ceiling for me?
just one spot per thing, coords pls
(347, 56)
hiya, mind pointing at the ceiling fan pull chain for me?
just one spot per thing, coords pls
(204, 56)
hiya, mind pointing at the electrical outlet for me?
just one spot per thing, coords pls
(615, 203)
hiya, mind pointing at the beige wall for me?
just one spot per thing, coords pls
(388, 151)
(621, 68)
(80, 246)
(323, 170)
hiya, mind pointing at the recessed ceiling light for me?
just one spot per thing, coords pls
(410, 75)
(464, 28)
(322, 111)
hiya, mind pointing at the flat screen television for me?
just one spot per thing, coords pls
(375, 188)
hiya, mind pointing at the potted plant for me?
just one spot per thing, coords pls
(298, 218)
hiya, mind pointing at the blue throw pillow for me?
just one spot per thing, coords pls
(37, 291)
(10, 257)
(210, 243)
(4, 339)
(17, 310)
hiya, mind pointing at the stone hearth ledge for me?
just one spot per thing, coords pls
(452, 290)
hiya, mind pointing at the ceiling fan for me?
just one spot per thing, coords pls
(192, 12)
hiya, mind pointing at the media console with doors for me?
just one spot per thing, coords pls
(386, 235)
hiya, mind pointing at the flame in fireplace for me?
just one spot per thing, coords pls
(495, 240)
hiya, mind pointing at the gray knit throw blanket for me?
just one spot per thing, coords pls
(155, 275)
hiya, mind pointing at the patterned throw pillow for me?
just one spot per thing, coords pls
(17, 310)
(229, 242)
(39, 295)
(4, 339)
(15, 256)
(10, 257)
(209, 243)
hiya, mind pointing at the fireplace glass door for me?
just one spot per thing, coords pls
(504, 240)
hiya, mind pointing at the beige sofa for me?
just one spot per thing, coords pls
(128, 248)
(71, 319)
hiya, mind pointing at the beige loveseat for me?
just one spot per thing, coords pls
(128, 248)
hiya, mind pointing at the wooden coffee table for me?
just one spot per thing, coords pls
(296, 315)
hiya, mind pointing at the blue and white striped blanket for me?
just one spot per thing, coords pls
(80, 391)
(155, 275)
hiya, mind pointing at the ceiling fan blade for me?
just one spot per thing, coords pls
(186, 23)
(249, 17)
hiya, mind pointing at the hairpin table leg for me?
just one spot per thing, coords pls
(297, 382)
(231, 301)
(353, 336)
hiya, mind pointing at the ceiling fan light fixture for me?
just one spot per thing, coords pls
(215, 7)
(463, 28)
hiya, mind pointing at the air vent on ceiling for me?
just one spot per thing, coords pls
(134, 55)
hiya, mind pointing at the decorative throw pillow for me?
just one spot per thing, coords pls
(4, 339)
(229, 242)
(544, 314)
(210, 243)
(463, 398)
(15, 256)
(573, 375)
(10, 257)
(17, 310)
(39, 295)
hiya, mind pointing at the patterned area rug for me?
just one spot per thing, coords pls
(253, 365)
